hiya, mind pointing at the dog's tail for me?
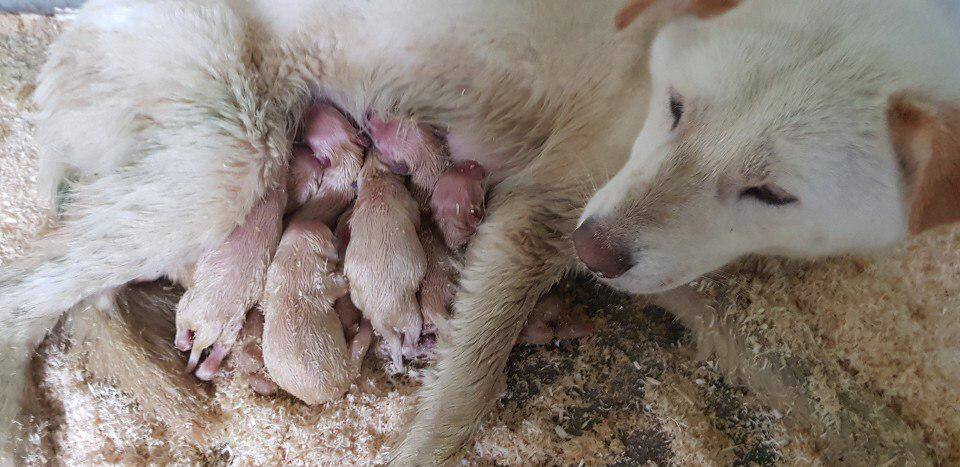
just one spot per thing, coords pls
(27, 313)
(126, 339)
(34, 293)
(123, 335)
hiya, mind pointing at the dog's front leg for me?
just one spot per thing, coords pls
(516, 256)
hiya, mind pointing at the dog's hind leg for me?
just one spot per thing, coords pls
(202, 139)
(105, 246)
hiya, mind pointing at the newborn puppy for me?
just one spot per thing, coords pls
(437, 289)
(304, 343)
(410, 149)
(226, 282)
(384, 259)
(304, 347)
(338, 147)
(458, 202)
(247, 358)
(306, 175)
(547, 321)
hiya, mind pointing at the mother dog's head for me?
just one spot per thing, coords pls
(790, 127)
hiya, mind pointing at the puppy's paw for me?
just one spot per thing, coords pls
(547, 323)
(207, 319)
(458, 200)
(400, 333)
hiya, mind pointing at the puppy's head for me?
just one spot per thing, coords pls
(768, 137)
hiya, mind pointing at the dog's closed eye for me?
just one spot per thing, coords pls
(769, 194)
(676, 109)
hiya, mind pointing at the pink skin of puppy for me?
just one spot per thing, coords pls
(305, 177)
(544, 324)
(322, 186)
(437, 289)
(226, 282)
(384, 260)
(247, 357)
(410, 149)
(458, 201)
(304, 347)
(326, 130)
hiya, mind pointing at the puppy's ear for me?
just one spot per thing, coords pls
(926, 139)
(698, 8)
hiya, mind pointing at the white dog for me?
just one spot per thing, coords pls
(794, 128)
(807, 126)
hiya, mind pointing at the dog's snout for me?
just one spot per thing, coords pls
(605, 254)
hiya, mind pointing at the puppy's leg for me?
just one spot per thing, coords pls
(516, 256)
(228, 281)
(248, 358)
(542, 326)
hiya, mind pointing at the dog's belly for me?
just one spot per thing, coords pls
(483, 71)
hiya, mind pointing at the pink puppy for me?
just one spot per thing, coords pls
(410, 149)
(458, 202)
(226, 282)
(338, 150)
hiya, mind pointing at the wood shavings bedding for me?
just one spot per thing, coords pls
(871, 345)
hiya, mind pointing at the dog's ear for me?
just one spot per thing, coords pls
(926, 139)
(698, 8)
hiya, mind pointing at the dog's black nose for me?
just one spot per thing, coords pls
(600, 251)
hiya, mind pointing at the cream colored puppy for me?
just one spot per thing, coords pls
(437, 288)
(304, 347)
(384, 260)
